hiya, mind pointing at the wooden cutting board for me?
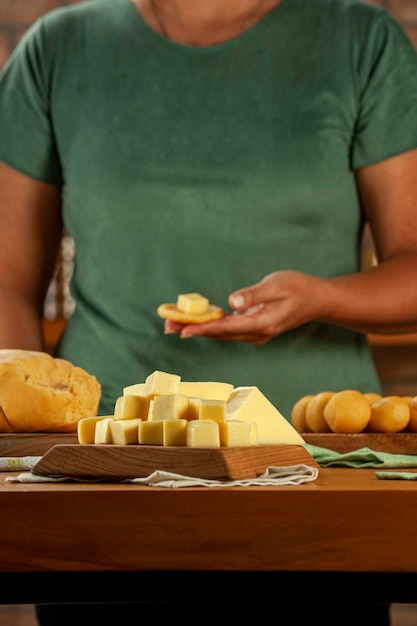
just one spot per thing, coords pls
(138, 461)
(32, 444)
(394, 443)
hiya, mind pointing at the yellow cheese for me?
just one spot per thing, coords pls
(103, 432)
(174, 432)
(192, 303)
(86, 428)
(203, 434)
(159, 383)
(131, 406)
(134, 390)
(125, 431)
(248, 404)
(214, 410)
(170, 406)
(151, 433)
(235, 434)
(193, 408)
(208, 389)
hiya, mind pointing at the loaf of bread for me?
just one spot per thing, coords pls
(40, 393)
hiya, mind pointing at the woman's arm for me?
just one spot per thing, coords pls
(382, 299)
(30, 234)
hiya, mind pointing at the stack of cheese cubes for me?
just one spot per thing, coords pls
(169, 412)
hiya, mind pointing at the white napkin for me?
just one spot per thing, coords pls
(289, 475)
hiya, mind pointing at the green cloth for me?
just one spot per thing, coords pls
(205, 169)
(362, 458)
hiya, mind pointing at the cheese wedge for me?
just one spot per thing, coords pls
(249, 404)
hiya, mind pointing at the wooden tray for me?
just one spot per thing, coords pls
(394, 443)
(32, 444)
(136, 461)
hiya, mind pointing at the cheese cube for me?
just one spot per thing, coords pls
(208, 389)
(174, 432)
(214, 410)
(170, 406)
(125, 431)
(103, 432)
(203, 434)
(248, 404)
(193, 303)
(151, 433)
(131, 406)
(235, 434)
(159, 383)
(193, 408)
(86, 428)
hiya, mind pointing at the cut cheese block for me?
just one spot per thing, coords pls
(214, 410)
(134, 390)
(192, 303)
(174, 432)
(125, 431)
(103, 431)
(203, 434)
(151, 433)
(235, 434)
(211, 390)
(248, 404)
(86, 428)
(159, 383)
(131, 407)
(170, 406)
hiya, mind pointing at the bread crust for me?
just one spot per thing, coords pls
(40, 393)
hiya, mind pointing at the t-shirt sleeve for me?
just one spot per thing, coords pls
(27, 141)
(387, 93)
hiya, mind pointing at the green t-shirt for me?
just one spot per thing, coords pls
(204, 169)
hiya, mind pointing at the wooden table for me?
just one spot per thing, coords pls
(346, 528)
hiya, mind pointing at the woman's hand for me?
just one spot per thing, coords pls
(280, 302)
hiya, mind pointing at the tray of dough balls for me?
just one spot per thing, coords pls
(348, 420)
(206, 429)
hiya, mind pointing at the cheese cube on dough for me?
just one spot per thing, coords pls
(203, 434)
(125, 431)
(192, 303)
(248, 404)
